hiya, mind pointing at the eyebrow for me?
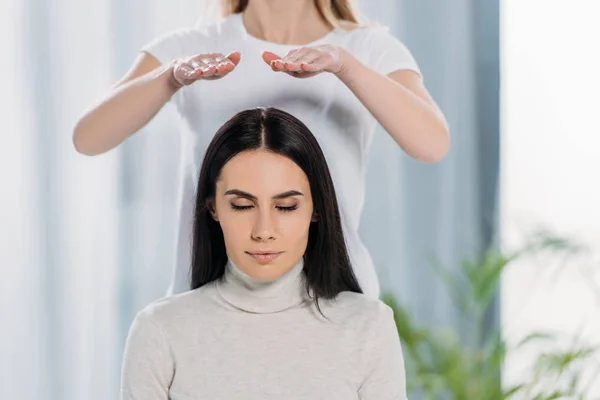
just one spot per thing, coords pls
(241, 193)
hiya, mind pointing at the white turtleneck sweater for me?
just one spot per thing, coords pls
(243, 339)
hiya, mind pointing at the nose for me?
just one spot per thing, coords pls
(264, 227)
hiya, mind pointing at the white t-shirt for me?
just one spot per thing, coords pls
(342, 125)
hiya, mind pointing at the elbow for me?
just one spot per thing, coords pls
(437, 150)
(79, 142)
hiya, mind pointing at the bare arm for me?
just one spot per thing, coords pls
(403, 106)
(129, 105)
(139, 95)
(400, 102)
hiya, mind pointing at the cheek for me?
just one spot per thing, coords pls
(295, 227)
(236, 226)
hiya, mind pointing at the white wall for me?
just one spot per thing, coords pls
(550, 171)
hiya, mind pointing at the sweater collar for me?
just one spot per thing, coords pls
(263, 296)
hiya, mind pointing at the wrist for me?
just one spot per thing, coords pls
(348, 66)
(168, 77)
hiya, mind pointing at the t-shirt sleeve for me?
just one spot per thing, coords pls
(185, 42)
(388, 54)
(148, 366)
(385, 375)
(172, 45)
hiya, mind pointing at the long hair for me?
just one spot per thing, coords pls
(337, 13)
(327, 270)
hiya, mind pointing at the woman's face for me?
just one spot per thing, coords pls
(264, 206)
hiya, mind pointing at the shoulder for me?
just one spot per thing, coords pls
(218, 27)
(368, 34)
(187, 41)
(187, 35)
(379, 48)
(177, 308)
(359, 310)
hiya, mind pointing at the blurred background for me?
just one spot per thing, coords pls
(489, 257)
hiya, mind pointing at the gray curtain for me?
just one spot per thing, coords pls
(417, 213)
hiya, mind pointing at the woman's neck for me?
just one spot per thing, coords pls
(285, 21)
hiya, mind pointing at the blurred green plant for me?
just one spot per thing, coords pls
(439, 365)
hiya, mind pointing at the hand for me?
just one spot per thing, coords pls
(308, 61)
(204, 66)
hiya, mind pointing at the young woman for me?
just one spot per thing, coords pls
(310, 58)
(275, 311)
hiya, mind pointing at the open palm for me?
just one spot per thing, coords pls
(306, 61)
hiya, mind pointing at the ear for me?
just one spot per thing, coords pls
(314, 218)
(212, 209)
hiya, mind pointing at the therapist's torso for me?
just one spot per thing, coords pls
(341, 124)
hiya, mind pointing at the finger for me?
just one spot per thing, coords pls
(268, 57)
(222, 65)
(308, 59)
(224, 68)
(202, 60)
(186, 65)
(280, 64)
(290, 62)
(216, 64)
(196, 62)
(234, 57)
(207, 63)
(273, 60)
(296, 54)
(201, 68)
(292, 67)
(210, 70)
(228, 63)
(318, 64)
(277, 65)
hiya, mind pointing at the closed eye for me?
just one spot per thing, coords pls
(280, 208)
(240, 208)
(287, 209)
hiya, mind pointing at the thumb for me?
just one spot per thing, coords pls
(234, 57)
(267, 57)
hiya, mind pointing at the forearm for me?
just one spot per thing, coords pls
(415, 125)
(125, 110)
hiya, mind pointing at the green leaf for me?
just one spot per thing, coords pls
(534, 337)
(559, 361)
(512, 391)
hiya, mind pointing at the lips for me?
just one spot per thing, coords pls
(264, 257)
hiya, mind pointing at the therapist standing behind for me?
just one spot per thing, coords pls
(310, 58)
